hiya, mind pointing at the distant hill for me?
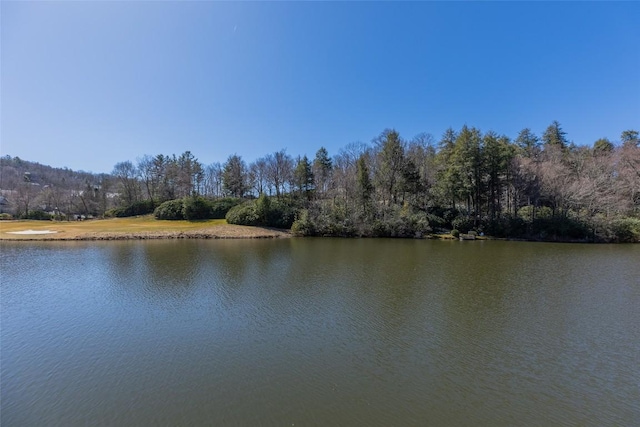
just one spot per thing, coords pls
(27, 186)
(13, 170)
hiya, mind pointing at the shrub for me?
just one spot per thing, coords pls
(420, 223)
(38, 215)
(263, 212)
(462, 224)
(244, 214)
(560, 227)
(142, 207)
(442, 217)
(263, 209)
(455, 233)
(280, 214)
(5, 216)
(506, 227)
(196, 208)
(220, 207)
(627, 230)
(436, 221)
(303, 226)
(381, 228)
(325, 219)
(543, 212)
(171, 210)
(394, 222)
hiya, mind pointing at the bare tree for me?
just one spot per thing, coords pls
(146, 169)
(260, 171)
(629, 176)
(127, 174)
(213, 180)
(279, 170)
(556, 179)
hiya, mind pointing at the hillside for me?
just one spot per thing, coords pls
(28, 186)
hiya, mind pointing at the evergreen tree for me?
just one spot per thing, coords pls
(528, 143)
(390, 163)
(322, 168)
(364, 185)
(411, 184)
(189, 175)
(467, 165)
(630, 138)
(555, 136)
(304, 177)
(234, 176)
(448, 141)
(602, 146)
(447, 179)
(497, 154)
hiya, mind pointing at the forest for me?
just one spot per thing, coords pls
(531, 187)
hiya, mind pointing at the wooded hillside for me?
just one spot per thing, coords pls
(538, 187)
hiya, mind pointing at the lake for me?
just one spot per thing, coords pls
(371, 332)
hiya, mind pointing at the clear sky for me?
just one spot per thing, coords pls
(88, 84)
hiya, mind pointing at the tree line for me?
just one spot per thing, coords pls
(536, 187)
(542, 187)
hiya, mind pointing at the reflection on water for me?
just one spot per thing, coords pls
(319, 331)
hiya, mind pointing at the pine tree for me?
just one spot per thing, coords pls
(390, 163)
(630, 138)
(304, 177)
(234, 176)
(322, 168)
(528, 143)
(602, 146)
(364, 185)
(555, 136)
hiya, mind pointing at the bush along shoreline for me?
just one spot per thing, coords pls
(332, 218)
(362, 217)
(324, 218)
(195, 207)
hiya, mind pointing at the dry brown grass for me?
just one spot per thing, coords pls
(143, 227)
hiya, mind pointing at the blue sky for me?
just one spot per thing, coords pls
(85, 85)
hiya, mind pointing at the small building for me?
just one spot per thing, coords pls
(5, 206)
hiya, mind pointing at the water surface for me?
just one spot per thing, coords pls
(319, 332)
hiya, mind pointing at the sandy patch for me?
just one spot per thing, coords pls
(32, 232)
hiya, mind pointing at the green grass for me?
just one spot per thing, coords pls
(137, 224)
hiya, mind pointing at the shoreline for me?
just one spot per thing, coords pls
(52, 231)
(144, 236)
(139, 229)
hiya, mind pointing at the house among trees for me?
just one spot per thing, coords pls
(5, 206)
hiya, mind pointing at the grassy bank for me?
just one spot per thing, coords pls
(142, 227)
